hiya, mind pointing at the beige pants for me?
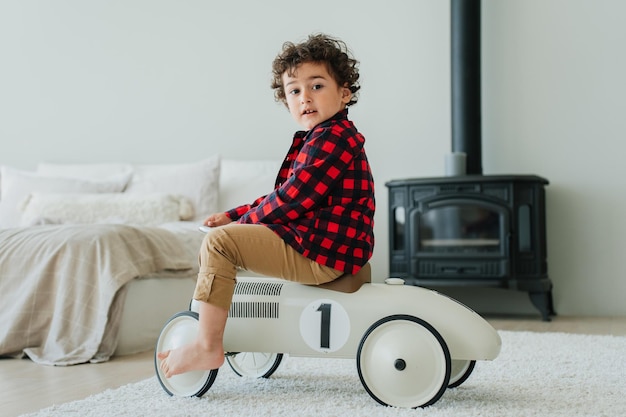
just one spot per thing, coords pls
(254, 248)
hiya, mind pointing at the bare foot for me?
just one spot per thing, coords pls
(188, 358)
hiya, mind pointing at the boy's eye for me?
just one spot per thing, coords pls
(317, 86)
(294, 91)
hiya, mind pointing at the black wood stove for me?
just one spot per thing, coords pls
(470, 229)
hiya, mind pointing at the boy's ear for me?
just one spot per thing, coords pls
(346, 95)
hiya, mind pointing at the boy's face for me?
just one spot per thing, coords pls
(313, 96)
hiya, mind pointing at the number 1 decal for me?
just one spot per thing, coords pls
(325, 325)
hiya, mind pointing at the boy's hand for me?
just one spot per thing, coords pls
(217, 219)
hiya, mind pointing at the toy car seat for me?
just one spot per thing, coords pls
(349, 283)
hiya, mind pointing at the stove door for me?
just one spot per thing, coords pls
(457, 237)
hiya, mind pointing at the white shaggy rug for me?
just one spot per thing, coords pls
(536, 374)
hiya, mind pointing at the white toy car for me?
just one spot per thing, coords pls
(410, 343)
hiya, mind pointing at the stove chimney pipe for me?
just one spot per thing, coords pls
(466, 82)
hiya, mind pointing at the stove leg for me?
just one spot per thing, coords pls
(543, 302)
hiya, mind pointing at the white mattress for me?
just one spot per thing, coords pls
(152, 300)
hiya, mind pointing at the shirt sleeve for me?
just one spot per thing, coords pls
(320, 164)
(235, 213)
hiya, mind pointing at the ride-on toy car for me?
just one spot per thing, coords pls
(410, 343)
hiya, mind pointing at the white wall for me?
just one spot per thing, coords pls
(151, 81)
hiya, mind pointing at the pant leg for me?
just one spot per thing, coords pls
(254, 248)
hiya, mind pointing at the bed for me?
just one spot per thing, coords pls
(94, 258)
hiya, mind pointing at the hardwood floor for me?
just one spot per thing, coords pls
(27, 387)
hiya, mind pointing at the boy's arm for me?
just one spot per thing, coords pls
(321, 163)
(237, 212)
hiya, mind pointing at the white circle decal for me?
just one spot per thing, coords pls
(325, 325)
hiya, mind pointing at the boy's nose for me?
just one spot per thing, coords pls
(305, 98)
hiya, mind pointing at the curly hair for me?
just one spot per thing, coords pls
(317, 48)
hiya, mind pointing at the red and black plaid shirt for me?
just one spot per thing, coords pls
(323, 201)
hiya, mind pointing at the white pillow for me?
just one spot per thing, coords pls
(198, 181)
(61, 208)
(16, 185)
(96, 171)
(241, 182)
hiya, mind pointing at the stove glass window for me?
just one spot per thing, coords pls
(460, 228)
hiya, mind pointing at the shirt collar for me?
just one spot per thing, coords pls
(341, 115)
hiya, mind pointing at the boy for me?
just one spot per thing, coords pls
(318, 222)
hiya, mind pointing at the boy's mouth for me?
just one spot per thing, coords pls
(308, 112)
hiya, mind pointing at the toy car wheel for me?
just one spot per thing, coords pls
(461, 370)
(179, 330)
(403, 362)
(254, 364)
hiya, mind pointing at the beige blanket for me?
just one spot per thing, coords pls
(62, 287)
